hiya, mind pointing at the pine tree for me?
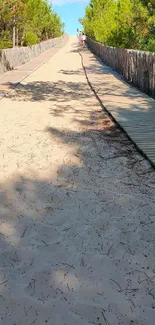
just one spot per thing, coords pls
(27, 22)
(121, 23)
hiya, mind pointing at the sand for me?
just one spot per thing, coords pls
(77, 214)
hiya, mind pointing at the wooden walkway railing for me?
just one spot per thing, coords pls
(137, 67)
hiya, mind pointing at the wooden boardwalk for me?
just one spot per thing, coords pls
(133, 110)
(10, 79)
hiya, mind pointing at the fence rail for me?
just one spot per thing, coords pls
(137, 67)
(14, 57)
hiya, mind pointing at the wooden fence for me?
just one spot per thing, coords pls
(137, 67)
(14, 57)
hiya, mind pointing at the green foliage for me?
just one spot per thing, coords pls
(121, 23)
(5, 40)
(148, 45)
(151, 45)
(30, 39)
(28, 22)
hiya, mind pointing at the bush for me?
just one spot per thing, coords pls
(151, 45)
(5, 44)
(148, 44)
(30, 39)
(5, 40)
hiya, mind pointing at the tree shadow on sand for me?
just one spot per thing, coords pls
(50, 91)
(53, 230)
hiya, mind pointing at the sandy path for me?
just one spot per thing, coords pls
(77, 215)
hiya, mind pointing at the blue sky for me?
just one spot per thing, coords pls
(70, 11)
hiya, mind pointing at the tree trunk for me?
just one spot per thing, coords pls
(14, 36)
(22, 38)
(17, 40)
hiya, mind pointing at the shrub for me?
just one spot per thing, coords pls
(30, 39)
(148, 44)
(5, 40)
(151, 45)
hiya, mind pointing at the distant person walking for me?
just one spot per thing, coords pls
(84, 39)
(80, 37)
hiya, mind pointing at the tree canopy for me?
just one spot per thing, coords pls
(121, 23)
(27, 22)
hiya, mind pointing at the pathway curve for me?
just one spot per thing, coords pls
(77, 214)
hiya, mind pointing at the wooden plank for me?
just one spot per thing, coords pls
(133, 110)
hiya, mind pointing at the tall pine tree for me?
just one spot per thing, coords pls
(121, 23)
(27, 22)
